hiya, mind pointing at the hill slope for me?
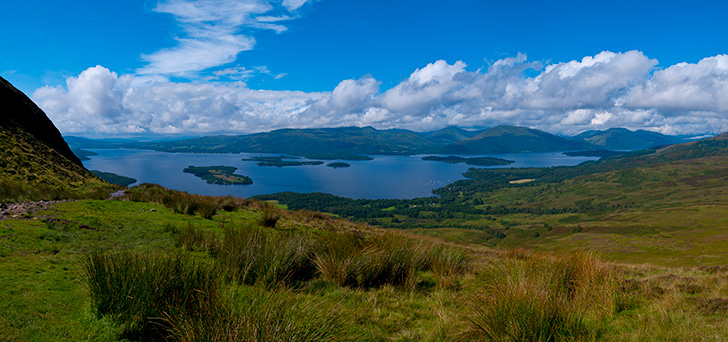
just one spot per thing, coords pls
(37, 163)
(624, 139)
(449, 135)
(512, 139)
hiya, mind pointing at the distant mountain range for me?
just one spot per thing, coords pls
(353, 142)
(512, 139)
(624, 139)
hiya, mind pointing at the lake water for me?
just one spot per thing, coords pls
(400, 177)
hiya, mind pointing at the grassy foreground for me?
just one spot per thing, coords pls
(142, 271)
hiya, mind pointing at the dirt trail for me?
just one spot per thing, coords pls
(24, 210)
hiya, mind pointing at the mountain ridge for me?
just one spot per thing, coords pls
(625, 139)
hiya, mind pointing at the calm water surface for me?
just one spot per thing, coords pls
(384, 177)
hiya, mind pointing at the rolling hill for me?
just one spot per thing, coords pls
(449, 135)
(513, 139)
(320, 143)
(624, 139)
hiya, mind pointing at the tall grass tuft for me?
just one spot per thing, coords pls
(338, 258)
(392, 258)
(544, 298)
(197, 239)
(181, 202)
(252, 255)
(264, 316)
(139, 290)
(447, 264)
(269, 217)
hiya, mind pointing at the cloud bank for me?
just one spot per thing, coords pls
(598, 92)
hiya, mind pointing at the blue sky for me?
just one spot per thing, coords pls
(237, 66)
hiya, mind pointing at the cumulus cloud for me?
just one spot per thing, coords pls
(596, 92)
(212, 33)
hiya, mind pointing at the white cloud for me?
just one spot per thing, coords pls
(597, 92)
(212, 33)
(293, 5)
(700, 88)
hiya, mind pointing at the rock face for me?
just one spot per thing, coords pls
(18, 111)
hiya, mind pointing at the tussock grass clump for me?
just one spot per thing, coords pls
(183, 202)
(269, 217)
(393, 259)
(447, 264)
(197, 239)
(338, 258)
(139, 290)
(545, 298)
(252, 255)
(263, 316)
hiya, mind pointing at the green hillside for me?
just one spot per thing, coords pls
(339, 143)
(449, 135)
(624, 139)
(351, 143)
(511, 139)
(37, 163)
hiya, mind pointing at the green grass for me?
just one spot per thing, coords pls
(326, 279)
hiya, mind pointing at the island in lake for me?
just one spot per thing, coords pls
(114, 178)
(479, 161)
(280, 162)
(338, 165)
(219, 175)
